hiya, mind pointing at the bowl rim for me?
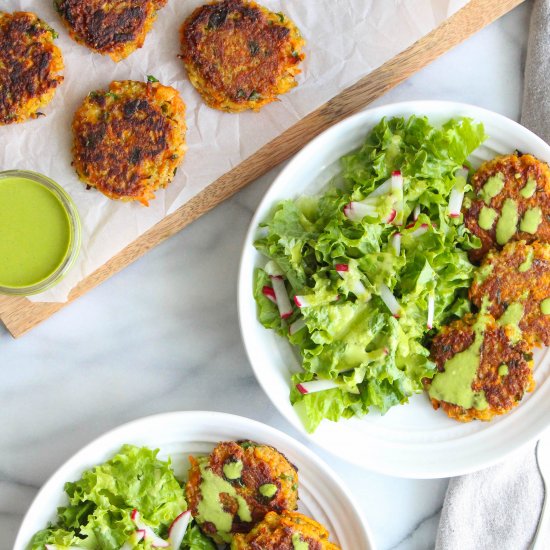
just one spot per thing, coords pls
(193, 417)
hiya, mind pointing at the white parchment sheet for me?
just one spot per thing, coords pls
(346, 39)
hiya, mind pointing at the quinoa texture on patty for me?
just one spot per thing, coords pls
(30, 66)
(503, 373)
(285, 531)
(240, 482)
(518, 276)
(129, 139)
(512, 202)
(239, 55)
(115, 27)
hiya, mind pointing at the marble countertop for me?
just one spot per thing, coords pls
(162, 335)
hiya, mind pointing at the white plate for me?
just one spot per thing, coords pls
(411, 440)
(179, 434)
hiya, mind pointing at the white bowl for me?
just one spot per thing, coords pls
(179, 434)
(411, 440)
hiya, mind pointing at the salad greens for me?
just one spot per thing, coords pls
(349, 272)
(98, 515)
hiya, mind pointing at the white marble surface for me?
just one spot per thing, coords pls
(163, 335)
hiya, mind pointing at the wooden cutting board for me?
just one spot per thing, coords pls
(20, 315)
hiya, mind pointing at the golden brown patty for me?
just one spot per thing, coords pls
(30, 64)
(503, 386)
(114, 27)
(129, 141)
(239, 55)
(520, 273)
(259, 474)
(516, 173)
(284, 532)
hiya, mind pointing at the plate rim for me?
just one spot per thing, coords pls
(243, 287)
(227, 420)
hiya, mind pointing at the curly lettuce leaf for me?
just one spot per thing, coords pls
(350, 337)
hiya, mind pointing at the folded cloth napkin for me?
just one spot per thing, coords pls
(499, 508)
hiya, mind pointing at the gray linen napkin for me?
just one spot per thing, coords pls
(499, 508)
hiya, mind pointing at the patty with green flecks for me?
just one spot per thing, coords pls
(285, 531)
(483, 371)
(233, 488)
(511, 202)
(519, 275)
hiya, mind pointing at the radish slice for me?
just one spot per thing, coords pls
(149, 534)
(416, 212)
(391, 216)
(389, 299)
(431, 310)
(316, 385)
(420, 231)
(281, 297)
(356, 211)
(269, 293)
(177, 530)
(132, 542)
(297, 326)
(358, 288)
(396, 243)
(455, 202)
(301, 301)
(397, 185)
(382, 189)
(272, 269)
(396, 180)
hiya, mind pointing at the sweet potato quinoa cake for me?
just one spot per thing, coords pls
(129, 140)
(114, 27)
(30, 64)
(512, 202)
(285, 531)
(237, 485)
(484, 369)
(240, 55)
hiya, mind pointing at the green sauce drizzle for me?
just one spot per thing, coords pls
(545, 306)
(487, 217)
(527, 263)
(210, 507)
(493, 186)
(503, 370)
(508, 221)
(298, 543)
(531, 220)
(529, 190)
(268, 490)
(454, 385)
(511, 318)
(233, 470)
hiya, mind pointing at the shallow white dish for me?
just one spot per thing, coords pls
(411, 440)
(179, 434)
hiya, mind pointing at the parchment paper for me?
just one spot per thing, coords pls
(346, 39)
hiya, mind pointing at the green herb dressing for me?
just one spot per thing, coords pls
(298, 543)
(527, 263)
(545, 306)
(233, 470)
(487, 217)
(493, 186)
(454, 384)
(210, 507)
(268, 490)
(531, 220)
(529, 190)
(503, 370)
(508, 221)
(35, 232)
(511, 318)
